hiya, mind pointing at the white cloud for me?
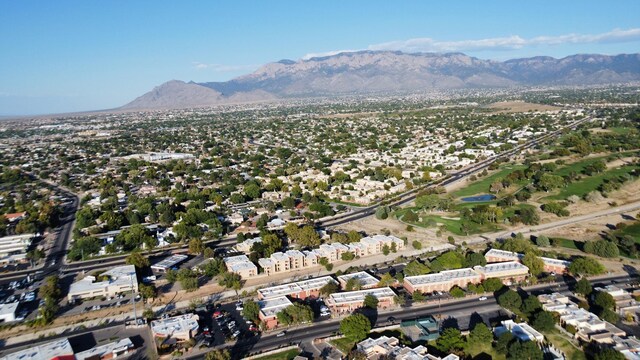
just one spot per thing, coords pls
(513, 42)
(222, 67)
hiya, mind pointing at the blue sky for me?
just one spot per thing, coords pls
(59, 56)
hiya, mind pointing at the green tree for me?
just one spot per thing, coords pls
(586, 266)
(534, 263)
(543, 321)
(137, 259)
(492, 284)
(456, 292)
(353, 284)
(416, 268)
(386, 280)
(370, 301)
(147, 291)
(543, 241)
(510, 300)
(450, 341)
(416, 244)
(608, 354)
(231, 281)
(472, 259)
(527, 350)
(502, 343)
(329, 288)
(251, 310)
(604, 300)
(385, 249)
(50, 289)
(530, 305)
(583, 286)
(355, 327)
(196, 246)
(481, 334)
(218, 354)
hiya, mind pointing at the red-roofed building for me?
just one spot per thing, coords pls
(14, 217)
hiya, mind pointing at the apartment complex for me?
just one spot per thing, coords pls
(293, 260)
(241, 265)
(346, 302)
(625, 303)
(508, 272)
(550, 264)
(181, 328)
(120, 279)
(296, 290)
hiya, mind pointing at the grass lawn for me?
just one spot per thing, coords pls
(632, 230)
(561, 342)
(590, 183)
(285, 355)
(565, 243)
(345, 344)
(482, 185)
(452, 225)
(476, 349)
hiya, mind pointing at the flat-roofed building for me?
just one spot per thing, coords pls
(297, 290)
(296, 259)
(509, 272)
(624, 302)
(241, 265)
(550, 264)
(310, 258)
(169, 263)
(182, 327)
(522, 331)
(269, 308)
(385, 347)
(8, 311)
(442, 281)
(246, 245)
(121, 279)
(13, 249)
(58, 349)
(364, 279)
(348, 301)
(107, 351)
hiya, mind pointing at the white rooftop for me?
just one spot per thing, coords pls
(102, 350)
(176, 324)
(366, 279)
(10, 308)
(511, 266)
(286, 289)
(504, 254)
(442, 276)
(272, 306)
(169, 262)
(118, 276)
(50, 350)
(358, 296)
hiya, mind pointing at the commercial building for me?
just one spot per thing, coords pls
(550, 265)
(8, 311)
(181, 328)
(107, 351)
(269, 308)
(364, 279)
(58, 349)
(120, 279)
(169, 263)
(297, 290)
(241, 265)
(13, 248)
(386, 347)
(346, 302)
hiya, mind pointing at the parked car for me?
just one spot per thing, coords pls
(482, 298)
(281, 334)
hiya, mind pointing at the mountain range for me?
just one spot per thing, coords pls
(366, 72)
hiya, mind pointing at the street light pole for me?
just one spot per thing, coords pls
(133, 298)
